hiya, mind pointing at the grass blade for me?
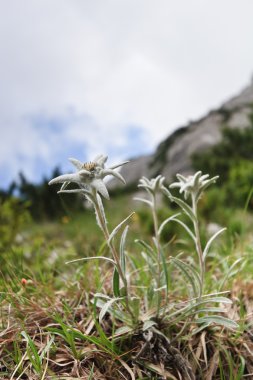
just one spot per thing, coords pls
(218, 319)
(167, 221)
(144, 201)
(122, 250)
(189, 274)
(92, 258)
(118, 227)
(185, 207)
(33, 353)
(46, 348)
(207, 247)
(147, 247)
(116, 283)
(91, 372)
(106, 307)
(165, 271)
(187, 229)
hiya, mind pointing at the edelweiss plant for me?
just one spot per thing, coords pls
(156, 260)
(193, 186)
(125, 306)
(89, 178)
(199, 308)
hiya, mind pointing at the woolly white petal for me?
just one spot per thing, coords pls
(203, 177)
(181, 177)
(100, 187)
(106, 172)
(66, 178)
(72, 191)
(100, 160)
(175, 184)
(196, 179)
(78, 164)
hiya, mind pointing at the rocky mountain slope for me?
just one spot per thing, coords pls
(173, 155)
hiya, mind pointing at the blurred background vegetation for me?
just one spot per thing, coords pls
(232, 160)
(35, 219)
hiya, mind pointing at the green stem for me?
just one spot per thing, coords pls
(198, 245)
(158, 247)
(113, 250)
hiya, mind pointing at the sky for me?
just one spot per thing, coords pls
(84, 77)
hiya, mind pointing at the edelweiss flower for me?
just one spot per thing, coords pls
(152, 185)
(193, 184)
(89, 176)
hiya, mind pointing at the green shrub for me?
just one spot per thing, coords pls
(14, 216)
(240, 184)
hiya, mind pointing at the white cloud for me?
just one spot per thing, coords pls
(101, 66)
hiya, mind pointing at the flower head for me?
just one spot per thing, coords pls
(89, 176)
(193, 184)
(153, 185)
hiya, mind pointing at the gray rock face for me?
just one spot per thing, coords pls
(199, 136)
(133, 171)
(173, 155)
(238, 101)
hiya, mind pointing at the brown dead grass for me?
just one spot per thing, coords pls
(191, 357)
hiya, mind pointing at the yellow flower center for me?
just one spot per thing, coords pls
(90, 166)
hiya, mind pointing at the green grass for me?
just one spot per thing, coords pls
(50, 322)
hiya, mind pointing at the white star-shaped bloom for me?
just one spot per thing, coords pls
(89, 176)
(153, 185)
(193, 184)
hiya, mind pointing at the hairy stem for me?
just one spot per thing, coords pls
(114, 252)
(158, 247)
(198, 245)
